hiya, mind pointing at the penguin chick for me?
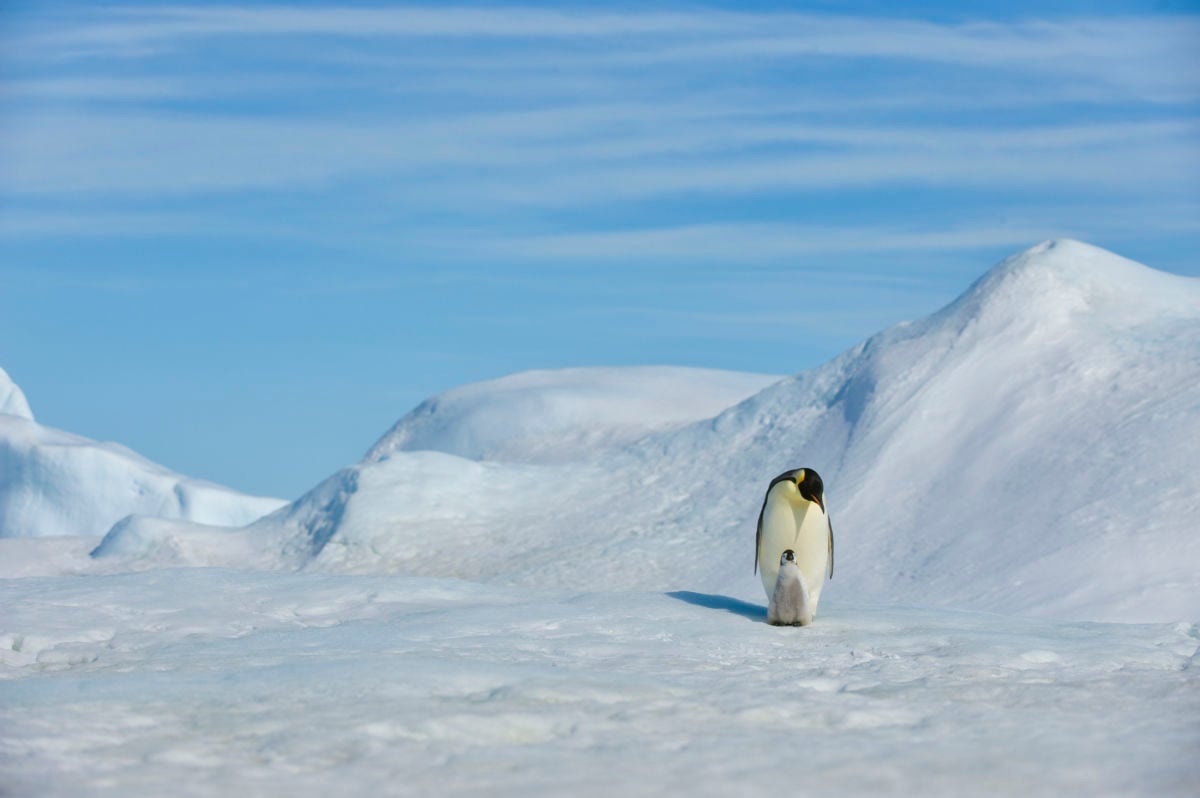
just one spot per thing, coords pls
(790, 603)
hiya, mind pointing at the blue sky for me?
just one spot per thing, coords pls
(245, 239)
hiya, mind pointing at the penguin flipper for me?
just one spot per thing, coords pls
(830, 525)
(758, 536)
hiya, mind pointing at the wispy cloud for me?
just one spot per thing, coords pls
(576, 155)
(88, 88)
(90, 222)
(732, 33)
(1119, 52)
(757, 242)
(141, 25)
(566, 125)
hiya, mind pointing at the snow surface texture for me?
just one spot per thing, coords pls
(1028, 449)
(53, 483)
(213, 682)
(550, 416)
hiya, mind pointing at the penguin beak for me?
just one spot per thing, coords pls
(819, 502)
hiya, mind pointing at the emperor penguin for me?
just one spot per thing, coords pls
(793, 517)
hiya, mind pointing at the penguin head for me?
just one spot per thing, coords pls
(809, 483)
(788, 556)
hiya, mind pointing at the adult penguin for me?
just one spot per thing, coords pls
(793, 516)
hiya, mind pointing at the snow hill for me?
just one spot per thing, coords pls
(549, 416)
(1027, 449)
(53, 483)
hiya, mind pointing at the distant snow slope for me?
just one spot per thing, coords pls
(1027, 449)
(12, 400)
(54, 483)
(552, 416)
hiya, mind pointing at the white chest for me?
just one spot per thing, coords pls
(802, 527)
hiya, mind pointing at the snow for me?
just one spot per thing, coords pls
(543, 585)
(54, 483)
(1028, 449)
(12, 400)
(550, 416)
(210, 681)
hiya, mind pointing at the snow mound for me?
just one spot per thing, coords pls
(53, 483)
(12, 400)
(168, 542)
(553, 416)
(1027, 449)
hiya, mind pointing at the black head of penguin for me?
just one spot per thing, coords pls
(788, 556)
(811, 487)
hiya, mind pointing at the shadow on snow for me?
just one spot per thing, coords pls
(755, 612)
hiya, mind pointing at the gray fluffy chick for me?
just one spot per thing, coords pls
(790, 604)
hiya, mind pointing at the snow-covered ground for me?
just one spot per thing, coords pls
(542, 584)
(216, 682)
